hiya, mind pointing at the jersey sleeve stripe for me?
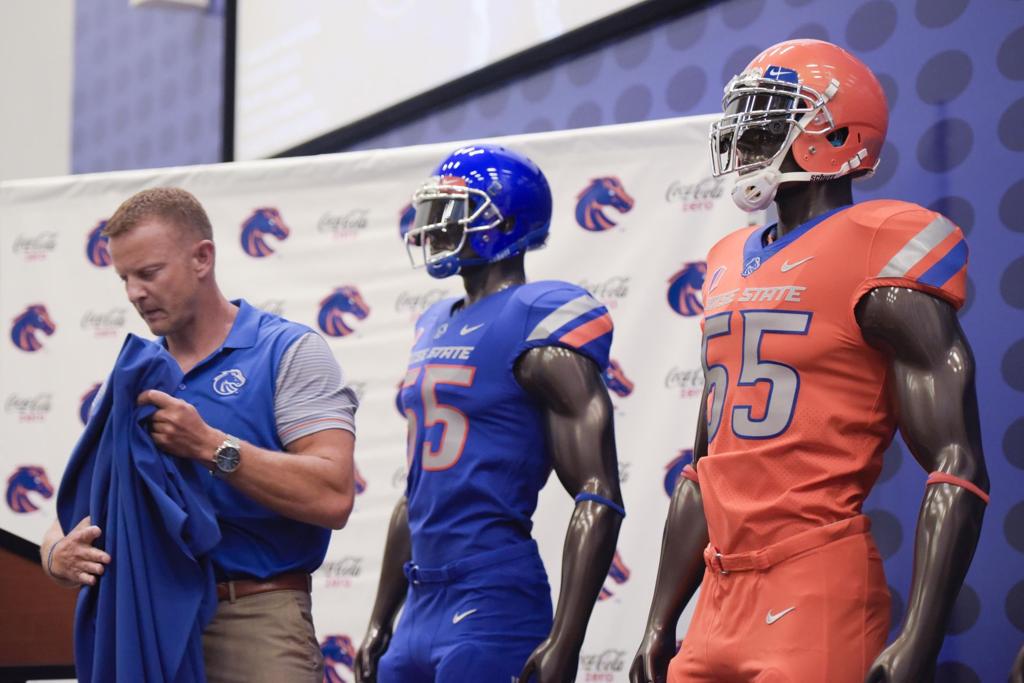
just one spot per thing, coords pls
(948, 266)
(918, 247)
(563, 315)
(588, 332)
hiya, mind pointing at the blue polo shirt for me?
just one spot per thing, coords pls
(233, 390)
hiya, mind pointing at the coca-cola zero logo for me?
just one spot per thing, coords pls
(29, 408)
(104, 323)
(342, 572)
(602, 666)
(345, 225)
(688, 381)
(610, 291)
(35, 247)
(699, 196)
(413, 304)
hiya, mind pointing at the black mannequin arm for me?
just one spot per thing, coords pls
(680, 569)
(578, 416)
(391, 591)
(932, 382)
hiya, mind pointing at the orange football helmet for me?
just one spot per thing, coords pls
(808, 96)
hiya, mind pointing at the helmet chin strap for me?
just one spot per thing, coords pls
(756, 191)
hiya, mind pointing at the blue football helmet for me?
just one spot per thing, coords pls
(491, 197)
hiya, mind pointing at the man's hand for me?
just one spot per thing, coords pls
(177, 428)
(73, 561)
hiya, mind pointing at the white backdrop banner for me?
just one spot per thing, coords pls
(642, 255)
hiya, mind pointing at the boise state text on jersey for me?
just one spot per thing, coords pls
(477, 451)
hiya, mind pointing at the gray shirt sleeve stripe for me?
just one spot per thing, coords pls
(311, 393)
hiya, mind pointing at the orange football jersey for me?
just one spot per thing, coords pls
(798, 408)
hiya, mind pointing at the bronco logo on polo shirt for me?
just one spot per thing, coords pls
(228, 382)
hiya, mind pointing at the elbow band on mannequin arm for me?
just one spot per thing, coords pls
(943, 478)
(603, 501)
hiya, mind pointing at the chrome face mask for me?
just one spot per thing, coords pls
(445, 215)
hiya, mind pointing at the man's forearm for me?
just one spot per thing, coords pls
(307, 487)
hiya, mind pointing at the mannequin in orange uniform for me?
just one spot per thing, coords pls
(823, 334)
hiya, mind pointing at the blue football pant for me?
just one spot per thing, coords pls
(479, 624)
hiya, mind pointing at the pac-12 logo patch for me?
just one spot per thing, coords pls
(674, 469)
(618, 573)
(342, 302)
(601, 192)
(228, 382)
(339, 654)
(262, 222)
(684, 289)
(616, 380)
(33, 319)
(25, 480)
(96, 246)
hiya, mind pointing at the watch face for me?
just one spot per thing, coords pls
(227, 459)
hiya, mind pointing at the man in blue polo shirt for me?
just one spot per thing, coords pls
(263, 405)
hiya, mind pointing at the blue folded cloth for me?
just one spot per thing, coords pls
(144, 618)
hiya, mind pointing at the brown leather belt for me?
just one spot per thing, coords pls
(292, 581)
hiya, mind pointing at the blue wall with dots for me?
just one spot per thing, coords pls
(148, 93)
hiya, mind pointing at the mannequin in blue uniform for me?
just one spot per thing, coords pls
(503, 385)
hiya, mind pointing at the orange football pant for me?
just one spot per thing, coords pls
(810, 609)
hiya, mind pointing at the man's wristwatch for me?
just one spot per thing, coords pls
(227, 457)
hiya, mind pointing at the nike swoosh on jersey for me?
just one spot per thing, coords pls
(459, 616)
(466, 329)
(772, 618)
(787, 266)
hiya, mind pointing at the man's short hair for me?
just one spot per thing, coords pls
(176, 206)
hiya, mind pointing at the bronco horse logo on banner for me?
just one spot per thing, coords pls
(262, 222)
(616, 380)
(338, 652)
(96, 246)
(25, 480)
(33, 319)
(684, 295)
(618, 573)
(342, 301)
(674, 469)
(600, 193)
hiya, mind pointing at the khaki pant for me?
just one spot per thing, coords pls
(263, 638)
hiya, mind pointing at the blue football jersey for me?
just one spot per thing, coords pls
(477, 450)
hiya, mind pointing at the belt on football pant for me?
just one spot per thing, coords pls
(290, 581)
(456, 570)
(783, 550)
